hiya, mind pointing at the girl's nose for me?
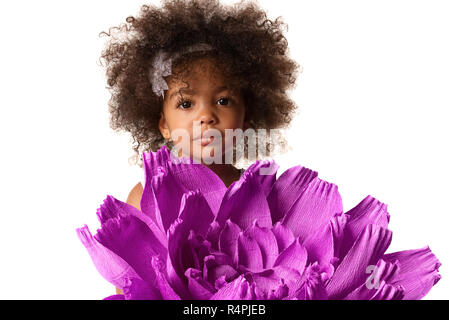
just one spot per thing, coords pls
(207, 116)
(206, 119)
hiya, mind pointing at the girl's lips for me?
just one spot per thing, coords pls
(205, 141)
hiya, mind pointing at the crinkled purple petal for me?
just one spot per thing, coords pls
(166, 291)
(384, 292)
(280, 293)
(137, 289)
(291, 277)
(418, 271)
(284, 236)
(265, 172)
(168, 193)
(213, 234)
(250, 255)
(338, 224)
(270, 285)
(367, 250)
(244, 202)
(389, 292)
(148, 202)
(294, 256)
(239, 289)
(315, 207)
(113, 268)
(320, 246)
(287, 189)
(267, 243)
(115, 297)
(368, 211)
(114, 208)
(376, 279)
(182, 255)
(228, 240)
(218, 267)
(133, 241)
(190, 175)
(179, 284)
(311, 285)
(195, 212)
(199, 289)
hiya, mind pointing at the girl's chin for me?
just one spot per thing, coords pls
(203, 154)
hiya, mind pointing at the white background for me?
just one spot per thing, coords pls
(373, 100)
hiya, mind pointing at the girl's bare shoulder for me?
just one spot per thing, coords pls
(135, 195)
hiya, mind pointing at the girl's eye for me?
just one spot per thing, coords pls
(224, 101)
(184, 104)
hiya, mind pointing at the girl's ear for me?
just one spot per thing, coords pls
(163, 127)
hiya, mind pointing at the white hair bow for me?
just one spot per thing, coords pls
(162, 66)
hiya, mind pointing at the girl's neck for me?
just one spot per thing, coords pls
(226, 172)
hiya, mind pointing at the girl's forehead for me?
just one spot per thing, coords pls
(203, 72)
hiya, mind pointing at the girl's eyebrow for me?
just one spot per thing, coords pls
(188, 91)
(192, 91)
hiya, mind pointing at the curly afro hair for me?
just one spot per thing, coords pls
(251, 48)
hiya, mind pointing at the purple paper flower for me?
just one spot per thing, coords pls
(261, 238)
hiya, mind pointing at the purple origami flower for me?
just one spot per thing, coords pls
(261, 238)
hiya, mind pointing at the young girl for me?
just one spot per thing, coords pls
(198, 62)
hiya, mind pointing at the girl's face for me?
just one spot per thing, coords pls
(210, 102)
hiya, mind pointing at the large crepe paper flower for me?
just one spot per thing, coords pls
(261, 238)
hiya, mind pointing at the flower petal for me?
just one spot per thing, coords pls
(244, 202)
(148, 202)
(311, 285)
(213, 234)
(185, 250)
(195, 212)
(284, 236)
(115, 297)
(320, 245)
(217, 266)
(316, 206)
(287, 189)
(338, 224)
(199, 289)
(384, 292)
(114, 208)
(367, 250)
(137, 289)
(267, 243)
(418, 271)
(249, 253)
(228, 240)
(389, 292)
(168, 193)
(378, 277)
(191, 176)
(238, 289)
(294, 256)
(177, 236)
(291, 277)
(265, 172)
(368, 211)
(269, 284)
(113, 268)
(165, 289)
(132, 240)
